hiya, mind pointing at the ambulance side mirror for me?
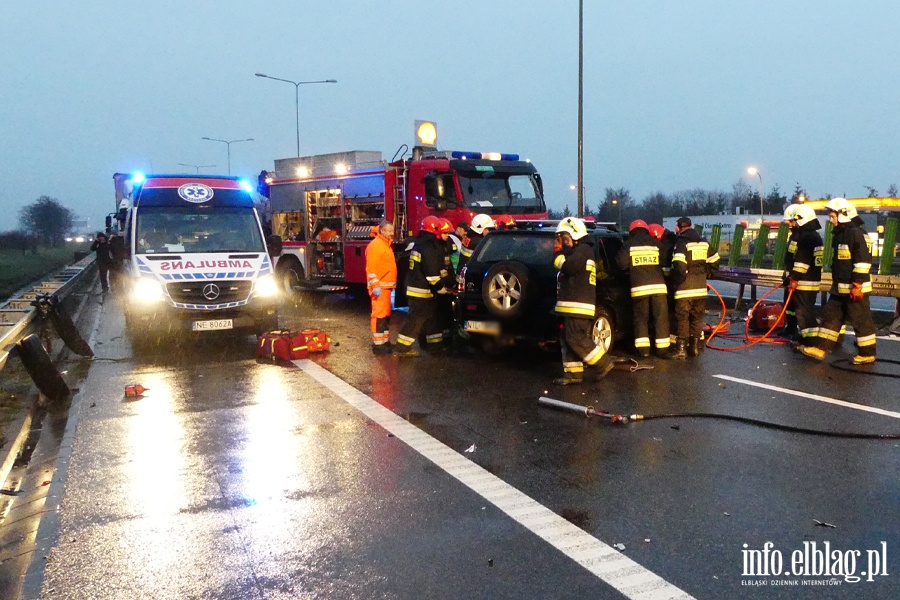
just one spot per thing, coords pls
(273, 242)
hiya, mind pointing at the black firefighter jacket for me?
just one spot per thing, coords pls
(577, 280)
(691, 263)
(640, 257)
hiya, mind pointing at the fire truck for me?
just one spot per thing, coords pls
(324, 207)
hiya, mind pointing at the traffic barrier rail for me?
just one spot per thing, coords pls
(17, 314)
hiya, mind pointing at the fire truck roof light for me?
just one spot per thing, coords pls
(138, 178)
(484, 155)
(466, 155)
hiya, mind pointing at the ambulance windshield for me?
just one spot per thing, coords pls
(497, 193)
(185, 229)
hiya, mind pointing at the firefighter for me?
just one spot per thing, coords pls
(850, 287)
(666, 239)
(381, 276)
(427, 278)
(105, 261)
(445, 301)
(640, 257)
(790, 313)
(805, 274)
(691, 263)
(481, 224)
(576, 298)
(505, 222)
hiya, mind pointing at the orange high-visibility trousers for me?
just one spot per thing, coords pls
(381, 313)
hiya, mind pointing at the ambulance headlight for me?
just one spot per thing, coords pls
(148, 291)
(266, 286)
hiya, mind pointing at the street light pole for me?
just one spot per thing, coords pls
(580, 108)
(198, 167)
(296, 85)
(755, 171)
(227, 143)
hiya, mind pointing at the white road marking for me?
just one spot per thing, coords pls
(775, 388)
(607, 563)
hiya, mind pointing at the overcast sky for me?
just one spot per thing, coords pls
(678, 95)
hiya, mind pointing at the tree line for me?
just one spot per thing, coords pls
(44, 222)
(617, 205)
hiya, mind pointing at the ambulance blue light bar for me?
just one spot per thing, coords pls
(138, 178)
(246, 185)
(483, 156)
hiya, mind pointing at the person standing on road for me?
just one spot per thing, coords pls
(427, 278)
(850, 287)
(576, 302)
(805, 274)
(691, 263)
(639, 256)
(381, 276)
(104, 259)
(790, 312)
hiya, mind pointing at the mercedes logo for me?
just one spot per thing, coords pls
(210, 291)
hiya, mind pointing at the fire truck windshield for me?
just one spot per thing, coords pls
(498, 193)
(197, 229)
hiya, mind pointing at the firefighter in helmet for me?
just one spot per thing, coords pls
(691, 263)
(481, 224)
(790, 313)
(639, 256)
(805, 274)
(427, 278)
(850, 287)
(576, 301)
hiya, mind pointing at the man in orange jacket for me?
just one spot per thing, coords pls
(381, 275)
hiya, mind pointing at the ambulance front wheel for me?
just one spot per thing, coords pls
(290, 274)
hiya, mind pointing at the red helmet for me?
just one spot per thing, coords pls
(656, 230)
(432, 224)
(505, 222)
(638, 224)
(446, 226)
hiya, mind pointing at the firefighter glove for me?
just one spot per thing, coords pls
(376, 292)
(856, 293)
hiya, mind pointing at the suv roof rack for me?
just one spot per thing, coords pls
(552, 223)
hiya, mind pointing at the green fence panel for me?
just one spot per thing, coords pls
(736, 245)
(887, 247)
(699, 229)
(714, 239)
(781, 244)
(759, 250)
(826, 257)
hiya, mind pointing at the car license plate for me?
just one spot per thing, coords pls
(489, 327)
(212, 325)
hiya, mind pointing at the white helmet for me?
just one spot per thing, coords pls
(790, 213)
(804, 214)
(482, 222)
(845, 211)
(573, 226)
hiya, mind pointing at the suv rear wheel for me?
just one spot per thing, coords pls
(603, 332)
(505, 288)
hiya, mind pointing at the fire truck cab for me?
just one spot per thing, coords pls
(324, 207)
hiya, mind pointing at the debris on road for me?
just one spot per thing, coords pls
(823, 524)
(619, 547)
(471, 448)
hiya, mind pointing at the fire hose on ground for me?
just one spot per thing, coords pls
(622, 419)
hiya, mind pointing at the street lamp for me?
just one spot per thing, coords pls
(198, 167)
(615, 202)
(297, 85)
(755, 171)
(228, 143)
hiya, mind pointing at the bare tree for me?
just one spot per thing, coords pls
(47, 219)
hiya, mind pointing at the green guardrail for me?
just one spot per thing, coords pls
(736, 243)
(759, 249)
(715, 238)
(826, 255)
(781, 246)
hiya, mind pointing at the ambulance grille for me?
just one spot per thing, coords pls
(196, 292)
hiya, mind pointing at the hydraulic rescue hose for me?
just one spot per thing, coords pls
(721, 329)
(589, 411)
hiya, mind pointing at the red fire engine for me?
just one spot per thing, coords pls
(324, 206)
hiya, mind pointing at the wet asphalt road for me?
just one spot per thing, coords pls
(233, 479)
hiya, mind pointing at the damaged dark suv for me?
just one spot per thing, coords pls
(508, 288)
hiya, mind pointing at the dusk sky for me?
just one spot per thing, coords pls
(678, 95)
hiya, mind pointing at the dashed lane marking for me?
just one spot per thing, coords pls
(607, 563)
(775, 388)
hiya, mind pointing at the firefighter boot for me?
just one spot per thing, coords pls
(681, 349)
(812, 352)
(694, 346)
(603, 367)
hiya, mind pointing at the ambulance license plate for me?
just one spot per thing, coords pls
(488, 327)
(212, 325)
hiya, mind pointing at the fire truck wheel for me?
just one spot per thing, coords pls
(39, 365)
(290, 274)
(505, 288)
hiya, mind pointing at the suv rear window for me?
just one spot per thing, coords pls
(529, 249)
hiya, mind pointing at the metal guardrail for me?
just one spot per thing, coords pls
(17, 313)
(882, 285)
